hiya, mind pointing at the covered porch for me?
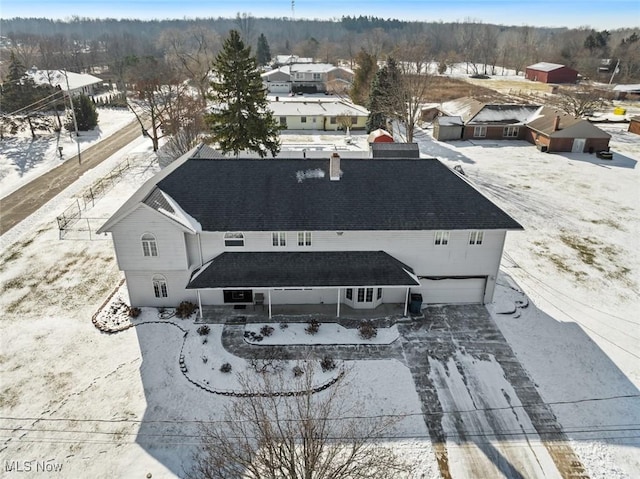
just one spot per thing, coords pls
(285, 282)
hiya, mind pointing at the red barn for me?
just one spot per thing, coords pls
(551, 73)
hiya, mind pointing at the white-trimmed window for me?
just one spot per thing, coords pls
(476, 237)
(510, 131)
(441, 238)
(317, 76)
(234, 239)
(304, 238)
(149, 245)
(279, 238)
(160, 286)
(379, 294)
(479, 131)
(349, 293)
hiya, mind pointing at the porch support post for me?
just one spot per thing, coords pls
(199, 302)
(338, 303)
(406, 302)
(269, 294)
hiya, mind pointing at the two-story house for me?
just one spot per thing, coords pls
(359, 232)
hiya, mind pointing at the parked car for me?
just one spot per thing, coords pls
(605, 155)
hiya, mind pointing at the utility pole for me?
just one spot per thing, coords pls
(73, 114)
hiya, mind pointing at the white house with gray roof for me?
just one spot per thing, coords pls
(336, 231)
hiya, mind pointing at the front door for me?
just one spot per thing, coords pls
(578, 145)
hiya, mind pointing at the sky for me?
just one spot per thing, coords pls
(598, 14)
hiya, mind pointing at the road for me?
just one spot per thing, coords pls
(21, 203)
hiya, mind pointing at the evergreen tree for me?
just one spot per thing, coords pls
(363, 77)
(18, 89)
(86, 114)
(263, 52)
(386, 97)
(241, 119)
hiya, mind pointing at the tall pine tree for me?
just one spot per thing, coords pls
(86, 114)
(263, 52)
(241, 119)
(386, 97)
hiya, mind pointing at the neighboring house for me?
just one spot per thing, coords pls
(448, 128)
(491, 121)
(280, 60)
(622, 92)
(551, 73)
(380, 136)
(555, 131)
(318, 77)
(278, 80)
(430, 113)
(303, 231)
(76, 83)
(634, 125)
(314, 113)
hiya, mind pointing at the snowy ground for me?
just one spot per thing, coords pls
(117, 405)
(23, 159)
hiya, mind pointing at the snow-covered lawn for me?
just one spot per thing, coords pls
(119, 406)
(23, 159)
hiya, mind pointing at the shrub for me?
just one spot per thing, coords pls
(225, 368)
(367, 330)
(327, 364)
(284, 325)
(298, 371)
(266, 330)
(185, 309)
(203, 330)
(134, 312)
(313, 327)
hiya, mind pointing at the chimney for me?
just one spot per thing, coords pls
(556, 123)
(334, 167)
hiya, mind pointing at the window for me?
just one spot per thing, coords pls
(316, 76)
(354, 120)
(360, 295)
(303, 119)
(304, 238)
(379, 294)
(149, 245)
(233, 239)
(333, 120)
(480, 131)
(476, 237)
(283, 121)
(349, 293)
(510, 131)
(279, 238)
(160, 286)
(442, 238)
(369, 297)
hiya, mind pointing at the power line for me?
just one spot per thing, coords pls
(338, 418)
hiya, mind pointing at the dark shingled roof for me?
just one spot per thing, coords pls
(395, 150)
(297, 195)
(296, 269)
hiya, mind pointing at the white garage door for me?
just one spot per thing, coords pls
(452, 291)
(279, 87)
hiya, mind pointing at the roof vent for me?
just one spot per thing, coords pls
(334, 167)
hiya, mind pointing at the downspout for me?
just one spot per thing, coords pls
(269, 294)
(406, 302)
(338, 303)
(199, 303)
(200, 248)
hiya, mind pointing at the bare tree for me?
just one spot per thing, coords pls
(192, 50)
(305, 435)
(579, 102)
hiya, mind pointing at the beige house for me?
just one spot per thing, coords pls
(318, 113)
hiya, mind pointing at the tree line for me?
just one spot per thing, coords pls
(84, 44)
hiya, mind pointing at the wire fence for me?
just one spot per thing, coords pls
(69, 219)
